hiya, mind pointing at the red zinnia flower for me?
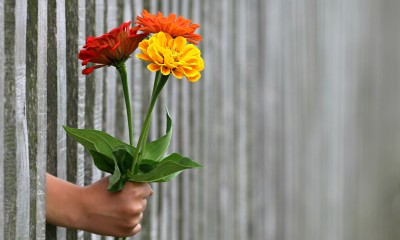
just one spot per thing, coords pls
(175, 27)
(111, 48)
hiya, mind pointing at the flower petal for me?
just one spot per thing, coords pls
(174, 26)
(87, 71)
(153, 67)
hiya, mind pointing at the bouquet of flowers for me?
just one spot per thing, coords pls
(168, 45)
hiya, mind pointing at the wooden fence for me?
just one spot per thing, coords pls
(296, 117)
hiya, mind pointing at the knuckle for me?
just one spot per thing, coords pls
(135, 209)
(141, 190)
(138, 208)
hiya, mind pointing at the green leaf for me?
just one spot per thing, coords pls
(155, 150)
(124, 158)
(116, 182)
(147, 165)
(100, 145)
(166, 169)
(102, 162)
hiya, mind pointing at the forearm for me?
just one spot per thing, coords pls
(63, 202)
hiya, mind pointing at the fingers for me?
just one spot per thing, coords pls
(136, 229)
(134, 226)
(140, 190)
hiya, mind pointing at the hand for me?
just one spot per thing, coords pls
(94, 209)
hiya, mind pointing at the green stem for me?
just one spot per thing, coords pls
(156, 81)
(122, 72)
(147, 127)
(159, 83)
(124, 78)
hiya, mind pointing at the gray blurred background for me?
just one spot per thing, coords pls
(296, 117)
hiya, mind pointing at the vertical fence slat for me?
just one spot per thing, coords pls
(2, 126)
(80, 175)
(195, 109)
(51, 86)
(61, 98)
(311, 107)
(269, 118)
(10, 174)
(110, 81)
(241, 126)
(32, 117)
(75, 27)
(22, 153)
(228, 160)
(123, 15)
(41, 149)
(210, 196)
(290, 82)
(94, 98)
(185, 229)
(21, 133)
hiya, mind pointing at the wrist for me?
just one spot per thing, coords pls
(75, 214)
(64, 203)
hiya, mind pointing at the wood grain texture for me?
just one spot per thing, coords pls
(2, 97)
(10, 172)
(41, 145)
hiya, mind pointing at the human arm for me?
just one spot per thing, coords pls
(94, 209)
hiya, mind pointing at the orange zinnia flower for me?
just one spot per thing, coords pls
(111, 48)
(175, 27)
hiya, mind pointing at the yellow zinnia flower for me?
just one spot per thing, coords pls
(172, 55)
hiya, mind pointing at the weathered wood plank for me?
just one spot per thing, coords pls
(61, 98)
(21, 133)
(10, 174)
(23, 173)
(194, 148)
(51, 83)
(121, 126)
(41, 146)
(56, 85)
(99, 99)
(241, 115)
(94, 19)
(75, 27)
(209, 214)
(185, 228)
(2, 97)
(32, 123)
(111, 77)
